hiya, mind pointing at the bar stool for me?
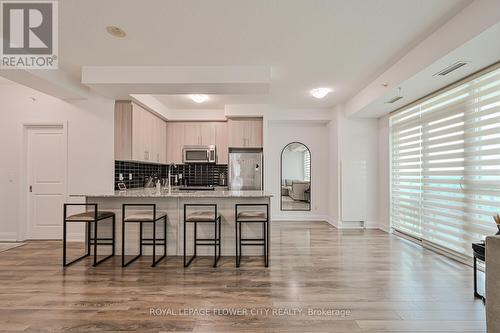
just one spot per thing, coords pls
(203, 216)
(252, 216)
(142, 217)
(89, 217)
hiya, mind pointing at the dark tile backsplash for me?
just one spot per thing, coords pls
(192, 174)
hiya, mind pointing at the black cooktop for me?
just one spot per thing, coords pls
(196, 188)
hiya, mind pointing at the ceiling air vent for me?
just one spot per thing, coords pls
(451, 68)
(395, 98)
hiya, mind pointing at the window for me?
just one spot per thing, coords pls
(445, 171)
(307, 166)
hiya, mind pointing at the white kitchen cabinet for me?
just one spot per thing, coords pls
(175, 142)
(199, 133)
(180, 134)
(139, 134)
(245, 132)
(207, 133)
(221, 143)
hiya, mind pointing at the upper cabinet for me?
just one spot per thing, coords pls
(142, 136)
(245, 132)
(139, 134)
(196, 133)
(175, 142)
(221, 143)
(199, 133)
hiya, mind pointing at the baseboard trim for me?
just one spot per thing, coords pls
(332, 222)
(352, 225)
(466, 260)
(298, 220)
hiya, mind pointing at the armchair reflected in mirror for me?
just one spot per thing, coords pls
(296, 177)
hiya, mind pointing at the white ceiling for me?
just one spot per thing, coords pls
(335, 43)
(213, 102)
(480, 52)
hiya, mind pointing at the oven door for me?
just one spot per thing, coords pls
(193, 155)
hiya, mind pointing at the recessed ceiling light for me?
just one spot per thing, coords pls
(199, 98)
(320, 92)
(115, 31)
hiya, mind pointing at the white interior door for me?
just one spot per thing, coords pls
(46, 179)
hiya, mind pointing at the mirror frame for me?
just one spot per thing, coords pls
(281, 179)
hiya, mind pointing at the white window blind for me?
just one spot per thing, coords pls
(445, 172)
(307, 165)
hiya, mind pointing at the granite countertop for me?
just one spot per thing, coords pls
(152, 193)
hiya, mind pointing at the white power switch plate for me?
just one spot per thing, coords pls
(120, 177)
(129, 176)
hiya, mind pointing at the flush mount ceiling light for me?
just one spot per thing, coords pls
(320, 92)
(198, 98)
(115, 31)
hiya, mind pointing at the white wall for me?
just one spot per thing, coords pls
(315, 136)
(357, 139)
(90, 145)
(333, 163)
(384, 177)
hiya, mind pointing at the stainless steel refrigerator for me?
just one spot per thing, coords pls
(245, 169)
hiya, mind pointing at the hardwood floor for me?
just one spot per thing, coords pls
(288, 203)
(369, 281)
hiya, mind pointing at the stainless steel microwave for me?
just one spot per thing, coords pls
(199, 154)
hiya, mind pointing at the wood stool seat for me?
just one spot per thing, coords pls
(89, 216)
(145, 216)
(202, 216)
(252, 216)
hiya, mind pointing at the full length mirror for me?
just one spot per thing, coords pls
(295, 177)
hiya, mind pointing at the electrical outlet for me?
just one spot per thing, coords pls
(129, 176)
(120, 177)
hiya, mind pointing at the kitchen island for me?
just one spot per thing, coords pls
(172, 202)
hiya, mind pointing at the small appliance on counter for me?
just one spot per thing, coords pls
(222, 179)
(245, 169)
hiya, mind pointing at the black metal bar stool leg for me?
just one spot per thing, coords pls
(95, 243)
(123, 241)
(154, 244)
(220, 234)
(266, 242)
(89, 234)
(113, 231)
